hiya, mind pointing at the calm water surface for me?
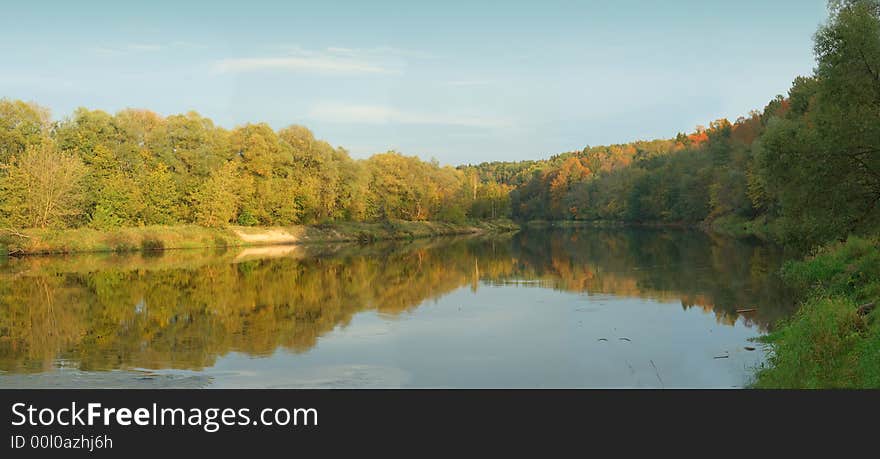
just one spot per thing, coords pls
(559, 309)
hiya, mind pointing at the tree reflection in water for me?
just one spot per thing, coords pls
(184, 309)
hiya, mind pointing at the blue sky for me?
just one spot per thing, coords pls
(457, 81)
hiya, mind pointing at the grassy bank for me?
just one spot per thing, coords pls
(833, 341)
(603, 224)
(150, 238)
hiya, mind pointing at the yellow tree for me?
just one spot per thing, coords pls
(571, 172)
(216, 201)
(21, 124)
(43, 188)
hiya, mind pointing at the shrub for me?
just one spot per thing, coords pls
(828, 343)
(152, 244)
(246, 218)
(817, 348)
(849, 269)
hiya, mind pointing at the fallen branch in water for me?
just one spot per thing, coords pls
(741, 311)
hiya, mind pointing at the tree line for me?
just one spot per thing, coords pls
(94, 169)
(806, 167)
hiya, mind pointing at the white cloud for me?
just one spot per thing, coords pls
(381, 51)
(377, 114)
(319, 64)
(346, 51)
(135, 48)
(144, 47)
(187, 45)
(331, 60)
(105, 51)
(467, 83)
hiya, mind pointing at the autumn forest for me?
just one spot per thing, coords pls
(802, 169)
(800, 174)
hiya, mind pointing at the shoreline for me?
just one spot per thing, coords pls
(833, 340)
(35, 241)
(607, 224)
(837, 286)
(31, 242)
(735, 228)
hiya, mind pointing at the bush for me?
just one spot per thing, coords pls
(828, 343)
(124, 246)
(103, 218)
(245, 218)
(817, 348)
(116, 242)
(850, 269)
(152, 244)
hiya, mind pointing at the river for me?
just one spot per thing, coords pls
(565, 308)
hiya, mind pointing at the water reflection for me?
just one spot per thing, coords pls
(185, 309)
(716, 274)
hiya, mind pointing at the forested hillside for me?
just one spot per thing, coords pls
(804, 169)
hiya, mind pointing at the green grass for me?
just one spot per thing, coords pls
(156, 238)
(828, 344)
(45, 241)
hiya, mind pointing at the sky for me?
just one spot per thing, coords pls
(457, 81)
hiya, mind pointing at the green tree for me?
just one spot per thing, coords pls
(161, 196)
(21, 124)
(43, 188)
(216, 202)
(822, 158)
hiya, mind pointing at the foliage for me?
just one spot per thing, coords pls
(807, 166)
(216, 202)
(41, 188)
(21, 124)
(823, 156)
(828, 343)
(139, 168)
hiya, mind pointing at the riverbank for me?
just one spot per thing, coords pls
(833, 341)
(605, 224)
(729, 226)
(152, 238)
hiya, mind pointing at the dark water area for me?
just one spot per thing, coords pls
(572, 308)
